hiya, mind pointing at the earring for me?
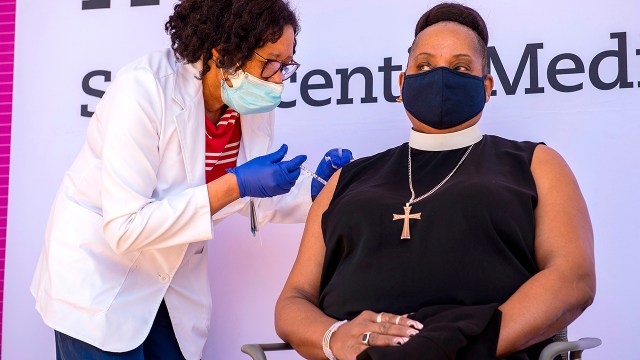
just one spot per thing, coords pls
(225, 77)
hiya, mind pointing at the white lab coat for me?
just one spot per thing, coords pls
(130, 223)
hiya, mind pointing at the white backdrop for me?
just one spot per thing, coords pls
(57, 44)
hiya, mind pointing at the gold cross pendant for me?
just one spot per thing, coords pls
(406, 217)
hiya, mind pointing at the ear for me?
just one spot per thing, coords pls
(401, 81)
(488, 87)
(216, 56)
(222, 73)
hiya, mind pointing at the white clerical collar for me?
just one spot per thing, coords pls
(442, 142)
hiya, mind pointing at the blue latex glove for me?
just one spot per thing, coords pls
(333, 160)
(268, 175)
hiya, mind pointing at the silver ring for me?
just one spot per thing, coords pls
(365, 338)
(398, 320)
(379, 318)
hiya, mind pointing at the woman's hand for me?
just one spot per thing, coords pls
(332, 161)
(268, 175)
(384, 329)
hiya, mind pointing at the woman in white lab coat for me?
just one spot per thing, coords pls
(122, 274)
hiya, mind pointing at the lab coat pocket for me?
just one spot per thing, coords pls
(198, 254)
(86, 272)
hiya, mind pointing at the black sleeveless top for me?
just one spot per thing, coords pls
(473, 245)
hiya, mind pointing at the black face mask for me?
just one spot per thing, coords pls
(443, 98)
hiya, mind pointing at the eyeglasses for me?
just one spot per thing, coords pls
(271, 67)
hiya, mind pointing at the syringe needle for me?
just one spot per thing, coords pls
(313, 174)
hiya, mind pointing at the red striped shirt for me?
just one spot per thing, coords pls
(222, 144)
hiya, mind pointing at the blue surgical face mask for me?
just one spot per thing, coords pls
(250, 95)
(443, 98)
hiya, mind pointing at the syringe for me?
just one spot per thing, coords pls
(304, 169)
(309, 172)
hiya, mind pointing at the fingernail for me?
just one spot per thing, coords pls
(412, 332)
(415, 325)
(400, 340)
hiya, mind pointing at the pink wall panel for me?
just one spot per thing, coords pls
(7, 34)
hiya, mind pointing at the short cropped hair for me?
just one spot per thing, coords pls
(462, 15)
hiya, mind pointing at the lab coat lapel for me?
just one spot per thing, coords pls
(257, 135)
(189, 120)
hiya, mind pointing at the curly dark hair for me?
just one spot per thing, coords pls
(463, 15)
(236, 28)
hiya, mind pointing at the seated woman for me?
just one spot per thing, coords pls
(453, 245)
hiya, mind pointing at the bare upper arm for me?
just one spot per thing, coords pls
(304, 279)
(564, 235)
